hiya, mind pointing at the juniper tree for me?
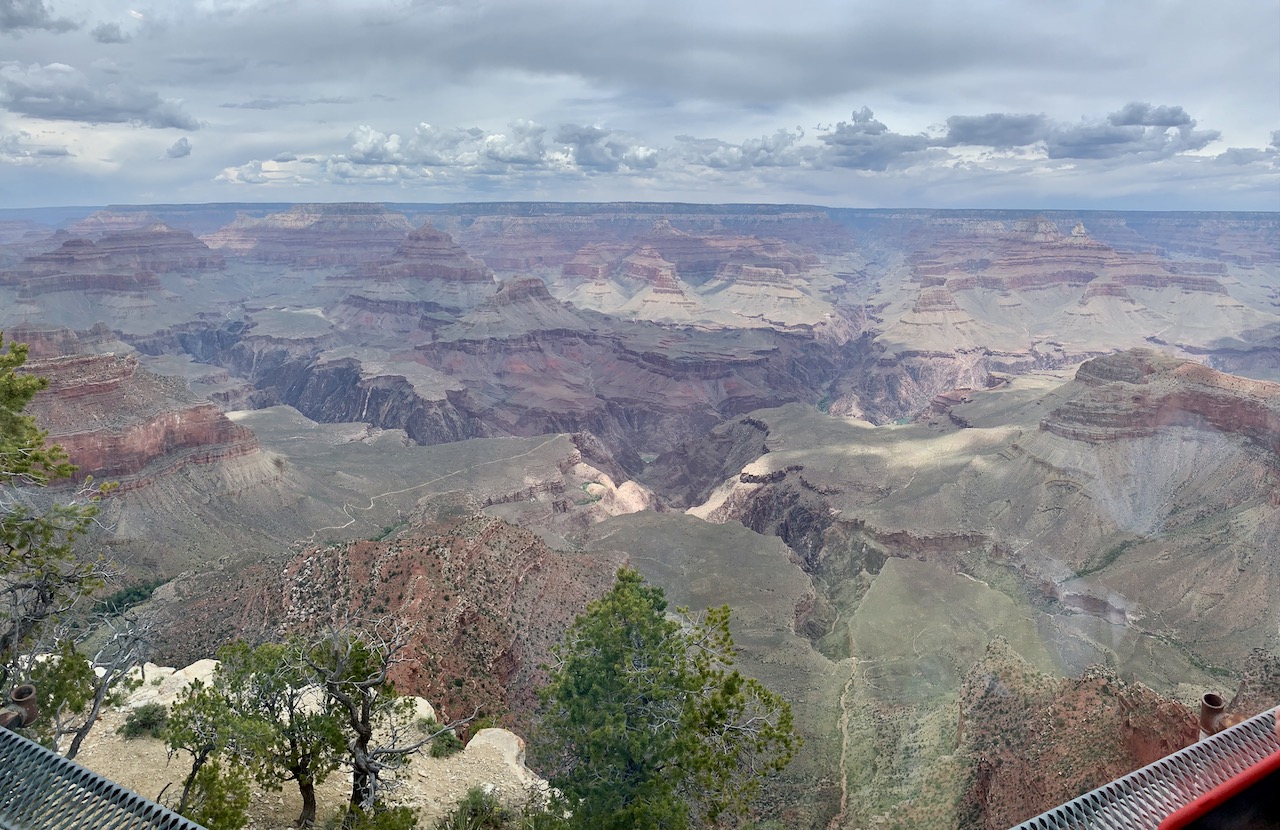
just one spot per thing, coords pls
(353, 664)
(290, 731)
(646, 727)
(42, 577)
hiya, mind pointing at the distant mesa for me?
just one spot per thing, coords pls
(156, 248)
(427, 272)
(315, 235)
(102, 223)
(122, 262)
(1035, 255)
(1140, 391)
(427, 254)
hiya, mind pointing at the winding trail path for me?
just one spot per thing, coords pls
(347, 508)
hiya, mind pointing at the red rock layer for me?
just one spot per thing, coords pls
(647, 265)
(487, 601)
(157, 248)
(1032, 742)
(122, 262)
(553, 238)
(1034, 255)
(104, 222)
(120, 422)
(595, 261)
(429, 254)
(1140, 391)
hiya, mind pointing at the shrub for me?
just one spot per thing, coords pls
(478, 810)
(148, 719)
(381, 817)
(444, 744)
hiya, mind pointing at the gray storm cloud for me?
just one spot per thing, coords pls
(19, 16)
(662, 99)
(1137, 129)
(996, 129)
(59, 92)
(179, 149)
(1145, 115)
(109, 33)
(867, 144)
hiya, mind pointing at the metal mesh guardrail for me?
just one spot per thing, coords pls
(1142, 799)
(41, 790)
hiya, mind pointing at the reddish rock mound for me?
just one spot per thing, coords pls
(1135, 393)
(1032, 742)
(488, 601)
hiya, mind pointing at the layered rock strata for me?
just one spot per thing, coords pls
(119, 422)
(315, 235)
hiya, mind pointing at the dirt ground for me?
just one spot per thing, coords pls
(433, 785)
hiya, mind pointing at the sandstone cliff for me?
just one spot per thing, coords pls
(119, 422)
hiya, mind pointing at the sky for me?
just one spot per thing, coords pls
(1095, 104)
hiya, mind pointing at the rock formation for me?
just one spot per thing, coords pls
(427, 272)
(487, 600)
(119, 422)
(1139, 392)
(315, 235)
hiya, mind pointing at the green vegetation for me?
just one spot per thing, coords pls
(126, 598)
(478, 810)
(646, 726)
(41, 577)
(44, 580)
(1107, 559)
(297, 711)
(219, 797)
(148, 719)
(445, 743)
(379, 817)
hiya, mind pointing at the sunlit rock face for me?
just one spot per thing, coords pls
(315, 235)
(1139, 392)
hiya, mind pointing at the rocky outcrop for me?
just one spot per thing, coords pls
(154, 249)
(525, 236)
(1140, 391)
(427, 267)
(315, 235)
(428, 254)
(105, 222)
(120, 270)
(119, 422)
(487, 600)
(1030, 742)
(339, 387)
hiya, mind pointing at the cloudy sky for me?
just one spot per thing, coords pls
(1156, 104)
